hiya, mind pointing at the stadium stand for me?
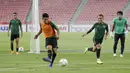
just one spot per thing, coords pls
(127, 15)
(7, 7)
(60, 11)
(106, 7)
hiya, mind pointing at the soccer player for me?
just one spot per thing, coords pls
(51, 34)
(100, 34)
(120, 28)
(14, 25)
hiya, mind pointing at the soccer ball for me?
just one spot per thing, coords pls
(63, 62)
(21, 49)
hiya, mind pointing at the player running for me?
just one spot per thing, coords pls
(14, 26)
(120, 28)
(100, 34)
(48, 28)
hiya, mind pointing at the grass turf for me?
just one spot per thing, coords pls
(71, 46)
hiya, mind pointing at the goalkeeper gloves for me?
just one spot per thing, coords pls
(126, 32)
(111, 35)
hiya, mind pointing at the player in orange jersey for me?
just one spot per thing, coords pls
(51, 34)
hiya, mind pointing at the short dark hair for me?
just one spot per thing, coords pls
(15, 13)
(45, 15)
(120, 12)
(101, 15)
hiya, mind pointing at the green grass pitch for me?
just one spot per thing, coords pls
(71, 47)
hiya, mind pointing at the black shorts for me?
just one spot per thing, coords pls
(51, 41)
(14, 36)
(97, 41)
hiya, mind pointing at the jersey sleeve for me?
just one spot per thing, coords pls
(107, 29)
(20, 23)
(91, 28)
(126, 22)
(53, 25)
(10, 23)
(114, 22)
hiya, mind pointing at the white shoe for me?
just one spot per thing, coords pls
(99, 61)
(86, 50)
(121, 55)
(114, 55)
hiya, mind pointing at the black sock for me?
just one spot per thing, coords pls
(53, 57)
(98, 53)
(49, 54)
(17, 49)
(90, 49)
(12, 47)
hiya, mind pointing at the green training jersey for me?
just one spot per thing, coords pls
(119, 25)
(14, 24)
(99, 30)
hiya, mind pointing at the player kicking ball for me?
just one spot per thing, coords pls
(14, 26)
(100, 34)
(48, 28)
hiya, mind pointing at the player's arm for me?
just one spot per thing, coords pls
(112, 29)
(56, 28)
(89, 30)
(40, 31)
(21, 28)
(126, 25)
(9, 27)
(107, 31)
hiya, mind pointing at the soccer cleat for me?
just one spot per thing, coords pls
(121, 55)
(47, 60)
(99, 62)
(17, 53)
(12, 52)
(86, 50)
(114, 55)
(50, 65)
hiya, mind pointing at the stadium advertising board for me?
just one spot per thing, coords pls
(79, 28)
(3, 28)
(63, 28)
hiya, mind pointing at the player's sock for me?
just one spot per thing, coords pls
(49, 54)
(53, 58)
(17, 49)
(98, 53)
(12, 47)
(90, 49)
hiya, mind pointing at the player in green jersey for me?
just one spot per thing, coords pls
(120, 28)
(14, 26)
(100, 28)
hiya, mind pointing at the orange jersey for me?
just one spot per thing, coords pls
(47, 29)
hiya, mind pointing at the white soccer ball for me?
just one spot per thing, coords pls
(63, 62)
(21, 49)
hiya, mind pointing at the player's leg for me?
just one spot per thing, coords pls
(98, 43)
(98, 50)
(92, 49)
(122, 39)
(116, 38)
(11, 43)
(54, 45)
(17, 43)
(49, 49)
